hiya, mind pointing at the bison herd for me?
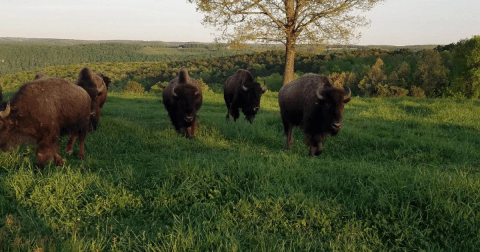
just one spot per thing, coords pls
(47, 108)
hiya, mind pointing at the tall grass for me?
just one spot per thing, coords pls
(402, 175)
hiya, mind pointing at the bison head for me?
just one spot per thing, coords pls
(252, 93)
(330, 104)
(186, 96)
(9, 137)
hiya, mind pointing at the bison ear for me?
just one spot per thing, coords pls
(85, 74)
(347, 97)
(105, 79)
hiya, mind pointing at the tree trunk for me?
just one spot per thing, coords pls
(289, 60)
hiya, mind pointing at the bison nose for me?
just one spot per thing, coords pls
(336, 126)
(189, 118)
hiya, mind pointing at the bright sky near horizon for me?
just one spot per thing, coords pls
(394, 22)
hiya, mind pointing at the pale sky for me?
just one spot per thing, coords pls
(394, 22)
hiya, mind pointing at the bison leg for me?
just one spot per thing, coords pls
(288, 129)
(228, 113)
(174, 121)
(46, 151)
(190, 130)
(235, 113)
(315, 144)
(81, 140)
(71, 142)
(319, 149)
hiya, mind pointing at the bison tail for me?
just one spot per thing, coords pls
(182, 75)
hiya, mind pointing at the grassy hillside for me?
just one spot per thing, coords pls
(402, 175)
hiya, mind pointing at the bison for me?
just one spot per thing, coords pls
(312, 103)
(39, 75)
(182, 98)
(96, 86)
(40, 112)
(242, 91)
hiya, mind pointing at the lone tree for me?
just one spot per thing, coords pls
(286, 21)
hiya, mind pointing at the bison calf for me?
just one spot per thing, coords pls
(312, 103)
(40, 112)
(182, 98)
(242, 91)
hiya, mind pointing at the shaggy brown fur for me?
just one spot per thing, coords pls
(312, 103)
(96, 86)
(242, 91)
(40, 112)
(182, 98)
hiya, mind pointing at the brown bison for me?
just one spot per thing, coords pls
(182, 98)
(242, 91)
(96, 86)
(312, 103)
(40, 75)
(40, 112)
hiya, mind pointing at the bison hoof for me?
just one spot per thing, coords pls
(69, 152)
(59, 162)
(40, 166)
(81, 156)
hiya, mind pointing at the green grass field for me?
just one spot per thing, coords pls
(402, 175)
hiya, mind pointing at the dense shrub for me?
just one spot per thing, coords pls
(134, 87)
(416, 92)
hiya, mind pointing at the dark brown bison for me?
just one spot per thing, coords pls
(40, 112)
(242, 91)
(96, 86)
(182, 98)
(312, 103)
(39, 75)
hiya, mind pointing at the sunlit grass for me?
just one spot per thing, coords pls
(402, 175)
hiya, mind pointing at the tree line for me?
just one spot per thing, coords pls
(23, 57)
(445, 71)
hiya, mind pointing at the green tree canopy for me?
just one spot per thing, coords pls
(286, 21)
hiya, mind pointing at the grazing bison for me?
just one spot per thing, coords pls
(242, 91)
(312, 103)
(40, 112)
(182, 98)
(96, 86)
(40, 75)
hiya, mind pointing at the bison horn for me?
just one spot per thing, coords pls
(244, 88)
(173, 91)
(6, 112)
(101, 89)
(320, 97)
(347, 97)
(198, 91)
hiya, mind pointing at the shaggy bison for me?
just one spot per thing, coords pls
(96, 86)
(312, 103)
(40, 75)
(182, 98)
(40, 112)
(242, 91)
